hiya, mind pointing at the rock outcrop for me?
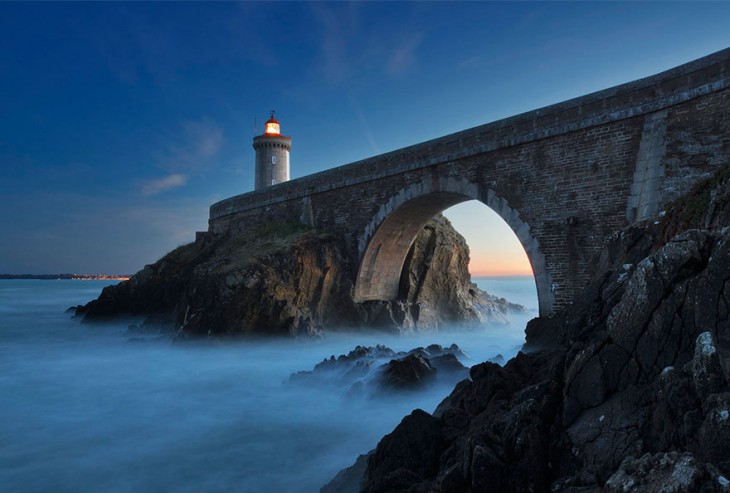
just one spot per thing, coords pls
(288, 279)
(377, 370)
(626, 390)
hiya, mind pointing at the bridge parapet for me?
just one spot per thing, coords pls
(647, 95)
(563, 177)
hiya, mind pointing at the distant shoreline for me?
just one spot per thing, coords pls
(114, 277)
(504, 277)
(73, 277)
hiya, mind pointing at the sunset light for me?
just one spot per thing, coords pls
(494, 249)
(514, 266)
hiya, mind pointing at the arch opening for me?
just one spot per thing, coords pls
(498, 263)
(388, 238)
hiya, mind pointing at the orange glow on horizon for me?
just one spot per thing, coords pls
(496, 272)
(494, 249)
(503, 267)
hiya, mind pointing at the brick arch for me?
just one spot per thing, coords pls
(385, 241)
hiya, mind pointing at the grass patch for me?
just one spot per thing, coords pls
(244, 248)
(281, 229)
(689, 211)
(182, 254)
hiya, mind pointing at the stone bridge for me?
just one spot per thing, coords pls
(564, 177)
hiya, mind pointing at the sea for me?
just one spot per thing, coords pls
(98, 408)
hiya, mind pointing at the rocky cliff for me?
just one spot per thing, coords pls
(290, 279)
(625, 391)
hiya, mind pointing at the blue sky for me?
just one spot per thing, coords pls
(120, 123)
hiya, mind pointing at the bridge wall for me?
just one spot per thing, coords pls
(563, 177)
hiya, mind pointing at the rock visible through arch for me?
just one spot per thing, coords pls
(387, 239)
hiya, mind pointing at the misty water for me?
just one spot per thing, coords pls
(97, 408)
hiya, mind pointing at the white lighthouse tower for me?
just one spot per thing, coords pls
(272, 155)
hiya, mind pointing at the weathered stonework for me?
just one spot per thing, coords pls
(646, 189)
(564, 177)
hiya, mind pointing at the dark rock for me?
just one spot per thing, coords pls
(707, 371)
(626, 390)
(407, 455)
(498, 359)
(411, 372)
(286, 279)
(73, 309)
(368, 371)
(348, 480)
(666, 473)
(713, 435)
(447, 363)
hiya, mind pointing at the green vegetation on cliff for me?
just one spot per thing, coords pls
(287, 278)
(695, 209)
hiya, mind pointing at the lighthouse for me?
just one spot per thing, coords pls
(272, 155)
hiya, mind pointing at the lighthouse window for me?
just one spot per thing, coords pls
(273, 181)
(273, 159)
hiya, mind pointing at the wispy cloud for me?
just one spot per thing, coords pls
(189, 149)
(338, 28)
(472, 62)
(365, 125)
(352, 46)
(153, 187)
(205, 136)
(186, 150)
(404, 57)
(193, 148)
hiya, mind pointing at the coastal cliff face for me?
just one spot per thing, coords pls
(288, 279)
(627, 390)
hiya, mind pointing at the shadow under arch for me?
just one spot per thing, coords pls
(384, 244)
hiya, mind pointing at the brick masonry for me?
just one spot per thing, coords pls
(564, 178)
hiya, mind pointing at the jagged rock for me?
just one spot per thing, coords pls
(405, 456)
(434, 258)
(412, 372)
(288, 279)
(706, 368)
(666, 473)
(348, 480)
(637, 367)
(446, 363)
(372, 370)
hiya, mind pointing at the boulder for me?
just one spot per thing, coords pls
(666, 473)
(412, 372)
(371, 371)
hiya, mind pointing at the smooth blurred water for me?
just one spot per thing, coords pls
(96, 408)
(517, 289)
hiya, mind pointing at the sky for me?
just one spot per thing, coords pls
(121, 123)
